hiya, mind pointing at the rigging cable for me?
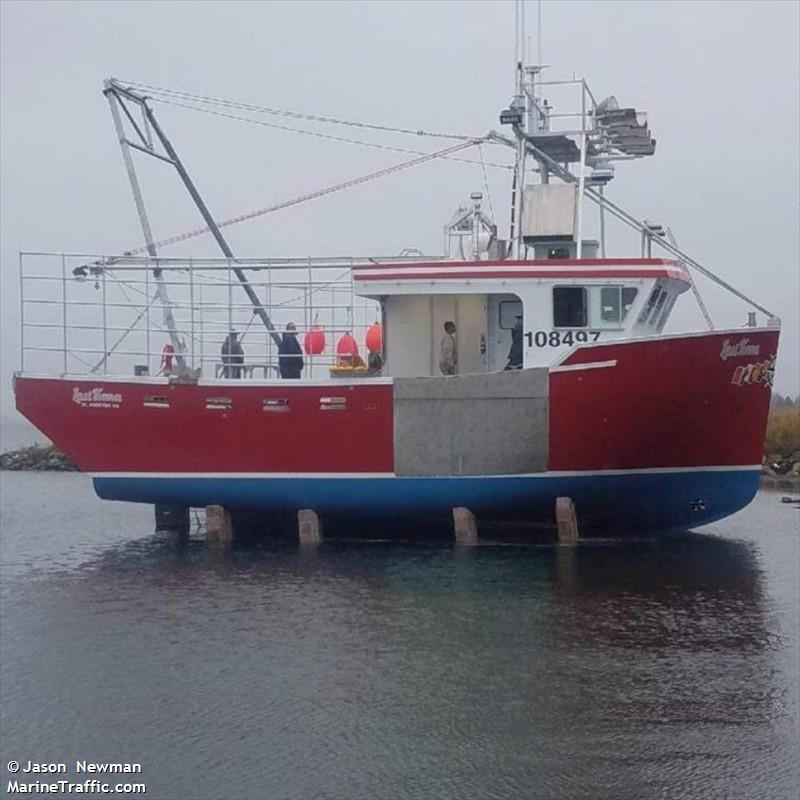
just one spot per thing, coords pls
(319, 135)
(291, 114)
(634, 223)
(486, 182)
(312, 195)
(124, 335)
(695, 290)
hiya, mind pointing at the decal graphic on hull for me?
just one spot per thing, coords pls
(761, 372)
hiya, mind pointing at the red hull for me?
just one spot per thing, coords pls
(665, 403)
(189, 437)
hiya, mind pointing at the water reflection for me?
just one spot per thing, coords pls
(692, 593)
(405, 670)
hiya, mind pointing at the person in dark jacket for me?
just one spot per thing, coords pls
(515, 353)
(290, 354)
(232, 356)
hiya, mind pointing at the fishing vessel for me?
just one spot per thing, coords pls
(498, 376)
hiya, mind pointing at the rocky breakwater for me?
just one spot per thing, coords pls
(38, 458)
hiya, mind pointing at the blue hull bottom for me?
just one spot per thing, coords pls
(610, 502)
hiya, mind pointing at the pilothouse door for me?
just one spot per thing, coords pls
(468, 313)
(503, 311)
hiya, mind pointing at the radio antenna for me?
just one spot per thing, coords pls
(539, 32)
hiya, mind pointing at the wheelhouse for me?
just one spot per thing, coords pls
(562, 303)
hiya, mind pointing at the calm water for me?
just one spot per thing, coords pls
(399, 670)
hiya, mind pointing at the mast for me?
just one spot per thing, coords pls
(582, 154)
(518, 104)
(120, 94)
(161, 289)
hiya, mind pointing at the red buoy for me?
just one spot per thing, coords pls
(374, 338)
(314, 341)
(346, 346)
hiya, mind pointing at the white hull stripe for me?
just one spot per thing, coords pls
(391, 475)
(589, 365)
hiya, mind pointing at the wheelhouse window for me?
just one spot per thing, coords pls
(508, 311)
(628, 296)
(666, 308)
(614, 304)
(570, 307)
(610, 304)
(654, 304)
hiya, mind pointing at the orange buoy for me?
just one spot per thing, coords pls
(314, 341)
(374, 338)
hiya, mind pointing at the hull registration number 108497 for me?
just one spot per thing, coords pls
(559, 338)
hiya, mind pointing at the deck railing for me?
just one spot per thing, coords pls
(110, 315)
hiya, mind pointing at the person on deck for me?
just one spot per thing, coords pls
(448, 350)
(290, 354)
(232, 356)
(515, 352)
(167, 357)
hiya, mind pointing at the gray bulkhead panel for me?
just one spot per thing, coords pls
(494, 423)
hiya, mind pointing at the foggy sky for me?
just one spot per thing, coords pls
(720, 81)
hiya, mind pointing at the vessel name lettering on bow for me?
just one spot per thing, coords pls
(740, 348)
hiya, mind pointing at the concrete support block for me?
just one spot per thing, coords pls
(567, 520)
(309, 527)
(219, 527)
(172, 518)
(465, 526)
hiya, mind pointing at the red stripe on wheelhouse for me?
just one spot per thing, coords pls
(506, 274)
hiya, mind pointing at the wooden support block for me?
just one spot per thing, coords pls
(309, 527)
(219, 527)
(567, 520)
(466, 528)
